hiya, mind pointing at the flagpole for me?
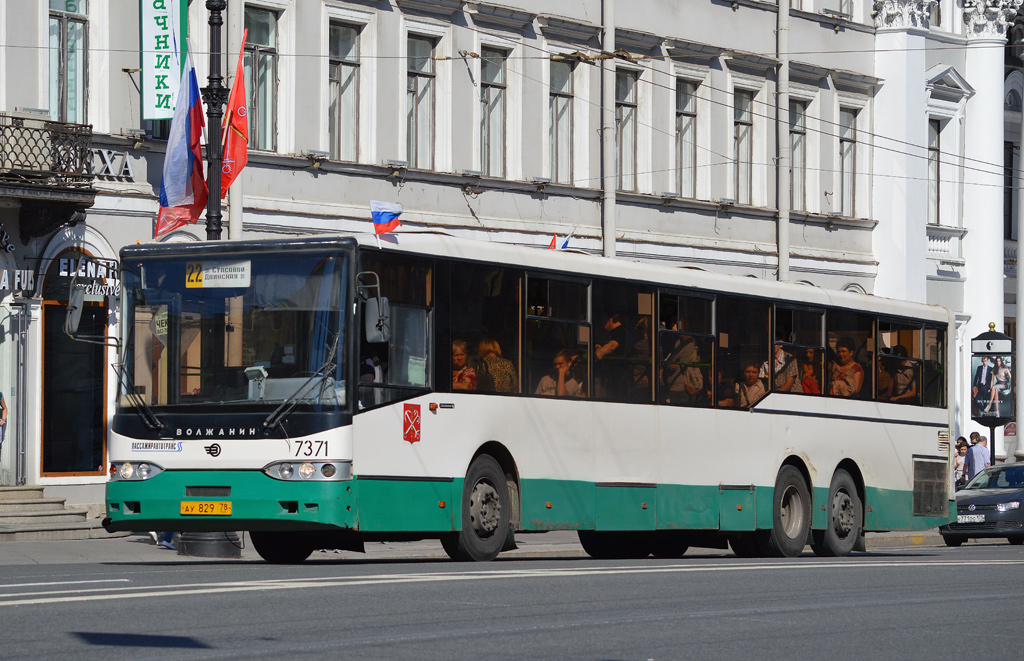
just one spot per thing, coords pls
(215, 95)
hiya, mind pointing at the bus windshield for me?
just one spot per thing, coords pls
(249, 332)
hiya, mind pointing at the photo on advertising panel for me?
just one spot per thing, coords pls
(992, 386)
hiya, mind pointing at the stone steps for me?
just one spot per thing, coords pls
(25, 515)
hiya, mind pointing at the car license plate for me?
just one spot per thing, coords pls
(970, 518)
(206, 507)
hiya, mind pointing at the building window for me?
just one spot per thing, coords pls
(847, 160)
(798, 155)
(560, 122)
(420, 103)
(743, 144)
(1008, 190)
(935, 15)
(933, 171)
(625, 129)
(343, 122)
(492, 112)
(686, 137)
(67, 49)
(260, 66)
(846, 7)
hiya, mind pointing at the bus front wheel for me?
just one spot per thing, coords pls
(791, 515)
(843, 527)
(486, 508)
(280, 548)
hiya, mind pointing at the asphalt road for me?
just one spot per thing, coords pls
(914, 602)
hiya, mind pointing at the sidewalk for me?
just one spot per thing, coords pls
(139, 548)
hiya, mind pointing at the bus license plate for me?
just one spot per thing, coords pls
(970, 518)
(206, 508)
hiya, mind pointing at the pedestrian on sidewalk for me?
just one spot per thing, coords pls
(163, 539)
(960, 459)
(977, 459)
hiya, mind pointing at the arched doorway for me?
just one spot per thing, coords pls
(74, 374)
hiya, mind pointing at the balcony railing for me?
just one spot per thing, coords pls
(38, 152)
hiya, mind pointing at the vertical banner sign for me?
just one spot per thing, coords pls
(411, 423)
(164, 28)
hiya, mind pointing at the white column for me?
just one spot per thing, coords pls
(983, 201)
(899, 184)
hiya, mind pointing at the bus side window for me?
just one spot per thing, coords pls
(485, 328)
(798, 351)
(685, 350)
(850, 353)
(401, 367)
(623, 341)
(933, 373)
(741, 325)
(557, 338)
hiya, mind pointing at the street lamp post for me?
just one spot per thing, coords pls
(216, 97)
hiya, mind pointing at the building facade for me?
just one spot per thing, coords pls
(854, 145)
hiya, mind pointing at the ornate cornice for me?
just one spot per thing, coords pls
(989, 19)
(898, 14)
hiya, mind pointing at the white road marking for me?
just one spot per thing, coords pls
(163, 591)
(32, 585)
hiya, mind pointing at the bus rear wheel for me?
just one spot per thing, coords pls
(486, 510)
(843, 527)
(791, 515)
(280, 548)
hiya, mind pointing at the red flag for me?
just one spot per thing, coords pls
(236, 128)
(554, 242)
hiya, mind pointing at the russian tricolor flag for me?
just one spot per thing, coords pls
(385, 216)
(183, 188)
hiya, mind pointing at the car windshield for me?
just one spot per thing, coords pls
(248, 331)
(999, 477)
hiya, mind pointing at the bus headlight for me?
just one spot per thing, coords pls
(126, 471)
(144, 471)
(1006, 507)
(332, 470)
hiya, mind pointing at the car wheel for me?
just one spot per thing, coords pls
(1016, 540)
(281, 548)
(953, 540)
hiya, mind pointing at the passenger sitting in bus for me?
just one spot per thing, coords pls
(904, 381)
(502, 370)
(809, 381)
(750, 389)
(725, 393)
(561, 382)
(847, 376)
(463, 376)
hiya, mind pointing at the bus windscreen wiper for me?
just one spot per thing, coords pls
(282, 411)
(138, 403)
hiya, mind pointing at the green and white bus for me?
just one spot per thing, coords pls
(324, 392)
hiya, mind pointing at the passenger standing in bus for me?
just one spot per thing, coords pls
(783, 371)
(502, 370)
(847, 374)
(682, 378)
(609, 371)
(463, 376)
(750, 390)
